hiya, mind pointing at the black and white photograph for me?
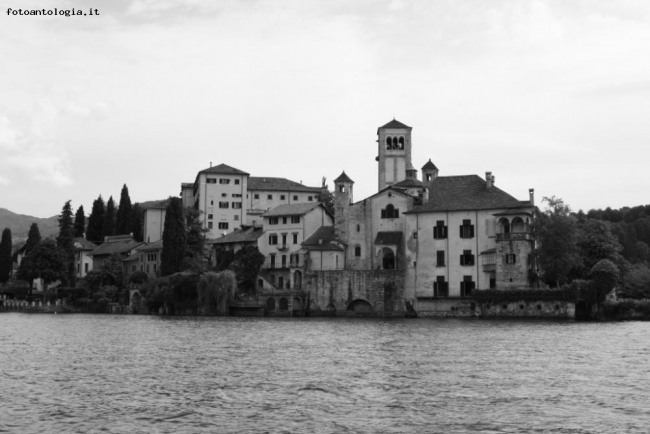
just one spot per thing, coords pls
(304, 216)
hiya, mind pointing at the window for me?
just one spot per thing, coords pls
(390, 212)
(236, 205)
(223, 225)
(236, 218)
(223, 204)
(467, 258)
(211, 180)
(415, 235)
(284, 220)
(273, 264)
(467, 229)
(256, 196)
(270, 304)
(440, 258)
(440, 287)
(295, 219)
(280, 282)
(224, 181)
(224, 194)
(295, 197)
(209, 225)
(236, 181)
(284, 304)
(440, 230)
(282, 197)
(273, 240)
(273, 220)
(466, 286)
(295, 238)
(154, 267)
(511, 258)
(210, 216)
(284, 261)
(284, 239)
(86, 268)
(310, 198)
(358, 228)
(357, 251)
(236, 195)
(269, 197)
(294, 260)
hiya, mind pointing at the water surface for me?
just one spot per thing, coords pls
(140, 374)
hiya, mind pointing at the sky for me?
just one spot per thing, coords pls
(551, 95)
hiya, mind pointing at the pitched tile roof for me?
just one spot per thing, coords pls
(151, 247)
(429, 165)
(292, 209)
(323, 239)
(248, 235)
(391, 238)
(468, 192)
(278, 184)
(225, 169)
(81, 243)
(344, 178)
(393, 189)
(393, 124)
(119, 245)
(409, 182)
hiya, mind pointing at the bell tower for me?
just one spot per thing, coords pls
(394, 153)
(342, 200)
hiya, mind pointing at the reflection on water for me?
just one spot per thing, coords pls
(92, 373)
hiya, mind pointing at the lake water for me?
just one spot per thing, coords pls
(141, 374)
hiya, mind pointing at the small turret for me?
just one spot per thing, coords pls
(429, 172)
(343, 186)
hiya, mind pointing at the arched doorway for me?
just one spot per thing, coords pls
(387, 258)
(360, 306)
(297, 279)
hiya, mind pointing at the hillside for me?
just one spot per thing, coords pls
(20, 223)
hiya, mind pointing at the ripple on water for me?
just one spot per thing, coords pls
(92, 373)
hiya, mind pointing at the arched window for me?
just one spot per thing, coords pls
(390, 212)
(389, 143)
(504, 225)
(270, 304)
(284, 304)
(260, 283)
(394, 142)
(401, 143)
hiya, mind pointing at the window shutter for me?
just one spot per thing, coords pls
(444, 231)
(471, 231)
(514, 259)
(472, 257)
(460, 230)
(462, 259)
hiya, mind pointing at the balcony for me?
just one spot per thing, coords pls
(282, 247)
(514, 236)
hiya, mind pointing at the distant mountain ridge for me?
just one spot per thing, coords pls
(20, 223)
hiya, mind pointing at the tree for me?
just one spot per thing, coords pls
(6, 263)
(136, 222)
(246, 265)
(123, 223)
(79, 222)
(174, 239)
(556, 235)
(46, 261)
(65, 240)
(109, 218)
(33, 238)
(95, 230)
(214, 291)
(595, 243)
(605, 275)
(197, 252)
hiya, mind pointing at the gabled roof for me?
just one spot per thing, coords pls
(344, 178)
(155, 204)
(151, 247)
(409, 183)
(81, 243)
(118, 245)
(323, 239)
(292, 209)
(392, 188)
(393, 124)
(461, 193)
(391, 238)
(278, 184)
(248, 235)
(224, 169)
(429, 165)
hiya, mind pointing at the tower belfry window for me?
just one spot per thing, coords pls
(401, 143)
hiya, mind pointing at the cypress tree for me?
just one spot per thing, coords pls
(65, 239)
(80, 222)
(33, 238)
(95, 230)
(109, 218)
(136, 222)
(6, 264)
(174, 239)
(123, 224)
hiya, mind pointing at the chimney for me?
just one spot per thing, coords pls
(531, 193)
(210, 163)
(489, 179)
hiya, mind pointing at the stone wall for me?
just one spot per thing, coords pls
(533, 309)
(355, 292)
(512, 275)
